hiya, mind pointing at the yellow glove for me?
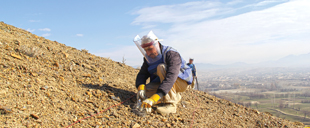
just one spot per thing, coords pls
(147, 104)
(141, 92)
(141, 87)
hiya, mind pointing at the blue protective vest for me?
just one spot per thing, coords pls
(185, 72)
(192, 66)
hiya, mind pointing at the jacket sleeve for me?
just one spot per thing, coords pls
(143, 74)
(173, 62)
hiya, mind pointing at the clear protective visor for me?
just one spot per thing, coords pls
(146, 45)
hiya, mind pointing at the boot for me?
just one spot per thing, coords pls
(167, 108)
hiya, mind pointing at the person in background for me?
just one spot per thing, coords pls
(192, 65)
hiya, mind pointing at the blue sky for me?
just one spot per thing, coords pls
(217, 31)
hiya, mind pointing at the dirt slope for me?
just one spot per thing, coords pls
(44, 83)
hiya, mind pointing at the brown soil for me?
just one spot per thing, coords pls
(44, 83)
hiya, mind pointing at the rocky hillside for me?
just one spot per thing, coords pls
(44, 83)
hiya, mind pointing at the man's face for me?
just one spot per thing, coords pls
(191, 61)
(151, 51)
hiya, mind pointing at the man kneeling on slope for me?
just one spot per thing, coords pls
(169, 75)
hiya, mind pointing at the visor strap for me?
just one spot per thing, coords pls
(147, 44)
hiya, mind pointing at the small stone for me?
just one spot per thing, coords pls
(73, 99)
(136, 126)
(86, 66)
(62, 108)
(115, 114)
(38, 121)
(106, 116)
(115, 98)
(71, 68)
(168, 125)
(87, 75)
(66, 55)
(164, 120)
(173, 122)
(5, 110)
(23, 108)
(44, 88)
(61, 78)
(180, 119)
(48, 94)
(100, 79)
(34, 74)
(34, 116)
(7, 122)
(2, 92)
(99, 117)
(257, 112)
(161, 124)
(7, 47)
(16, 56)
(56, 64)
(89, 93)
(16, 42)
(82, 121)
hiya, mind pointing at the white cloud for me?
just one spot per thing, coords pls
(34, 21)
(234, 2)
(30, 30)
(191, 11)
(45, 29)
(255, 36)
(46, 34)
(80, 35)
(148, 26)
(267, 2)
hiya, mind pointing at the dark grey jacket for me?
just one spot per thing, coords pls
(173, 62)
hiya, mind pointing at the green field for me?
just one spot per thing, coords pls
(283, 106)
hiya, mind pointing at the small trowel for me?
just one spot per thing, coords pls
(138, 110)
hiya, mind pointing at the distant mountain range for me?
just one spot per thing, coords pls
(302, 60)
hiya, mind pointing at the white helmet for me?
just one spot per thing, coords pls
(146, 41)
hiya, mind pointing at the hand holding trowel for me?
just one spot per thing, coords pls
(140, 98)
